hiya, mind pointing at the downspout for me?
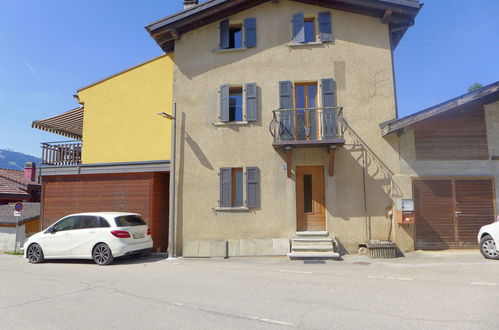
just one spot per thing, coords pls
(368, 225)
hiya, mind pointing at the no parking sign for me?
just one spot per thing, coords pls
(18, 208)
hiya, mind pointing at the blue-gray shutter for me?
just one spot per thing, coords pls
(225, 187)
(328, 104)
(252, 187)
(251, 102)
(224, 34)
(325, 29)
(298, 22)
(286, 117)
(250, 32)
(224, 103)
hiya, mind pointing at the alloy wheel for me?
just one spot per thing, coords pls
(34, 253)
(489, 248)
(101, 254)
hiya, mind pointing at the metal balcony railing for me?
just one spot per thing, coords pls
(307, 124)
(61, 153)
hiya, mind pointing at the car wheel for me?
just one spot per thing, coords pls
(102, 254)
(35, 254)
(489, 248)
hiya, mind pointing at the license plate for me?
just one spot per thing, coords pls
(138, 235)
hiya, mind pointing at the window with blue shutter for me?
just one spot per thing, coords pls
(225, 187)
(224, 34)
(325, 29)
(224, 103)
(250, 32)
(251, 102)
(286, 110)
(328, 112)
(298, 22)
(252, 187)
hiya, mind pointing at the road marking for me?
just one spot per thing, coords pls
(488, 284)
(391, 278)
(294, 271)
(271, 321)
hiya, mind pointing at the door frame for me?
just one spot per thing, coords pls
(322, 170)
(453, 178)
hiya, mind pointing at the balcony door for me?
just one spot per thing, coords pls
(306, 114)
(310, 198)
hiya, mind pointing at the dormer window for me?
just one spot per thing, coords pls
(238, 35)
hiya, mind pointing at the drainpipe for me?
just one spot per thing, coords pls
(171, 220)
(171, 240)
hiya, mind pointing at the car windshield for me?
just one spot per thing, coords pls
(129, 220)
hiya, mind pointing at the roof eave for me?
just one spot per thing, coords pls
(488, 91)
(165, 31)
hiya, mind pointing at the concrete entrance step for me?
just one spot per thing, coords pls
(313, 255)
(311, 239)
(313, 248)
(312, 233)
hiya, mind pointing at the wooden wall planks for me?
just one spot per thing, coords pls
(144, 193)
(457, 135)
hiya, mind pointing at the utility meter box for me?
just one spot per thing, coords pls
(405, 211)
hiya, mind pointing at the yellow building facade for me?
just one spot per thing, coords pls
(120, 122)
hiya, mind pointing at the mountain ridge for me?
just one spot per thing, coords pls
(14, 160)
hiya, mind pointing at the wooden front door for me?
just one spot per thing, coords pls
(450, 212)
(310, 198)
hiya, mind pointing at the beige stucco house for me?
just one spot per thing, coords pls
(278, 104)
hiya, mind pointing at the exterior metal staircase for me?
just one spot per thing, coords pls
(313, 245)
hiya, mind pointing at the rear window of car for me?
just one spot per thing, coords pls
(129, 220)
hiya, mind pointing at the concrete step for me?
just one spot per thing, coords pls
(312, 233)
(312, 243)
(315, 248)
(311, 239)
(313, 255)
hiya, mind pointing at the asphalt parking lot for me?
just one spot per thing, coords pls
(430, 290)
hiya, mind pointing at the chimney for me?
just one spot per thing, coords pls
(30, 171)
(190, 3)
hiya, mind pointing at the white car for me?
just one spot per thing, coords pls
(101, 236)
(488, 240)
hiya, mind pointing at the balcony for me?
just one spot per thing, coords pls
(307, 127)
(64, 153)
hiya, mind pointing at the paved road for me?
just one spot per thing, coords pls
(445, 290)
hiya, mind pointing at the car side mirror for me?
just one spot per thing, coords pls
(497, 219)
(53, 230)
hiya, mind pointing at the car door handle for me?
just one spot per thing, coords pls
(91, 232)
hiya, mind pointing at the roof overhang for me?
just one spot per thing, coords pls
(69, 124)
(399, 14)
(485, 95)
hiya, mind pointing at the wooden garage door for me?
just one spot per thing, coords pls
(449, 212)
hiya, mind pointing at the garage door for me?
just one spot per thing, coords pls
(450, 212)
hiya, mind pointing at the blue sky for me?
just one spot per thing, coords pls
(49, 49)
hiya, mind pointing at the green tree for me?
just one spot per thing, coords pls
(474, 87)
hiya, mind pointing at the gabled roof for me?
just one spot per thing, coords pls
(69, 123)
(17, 177)
(30, 211)
(485, 95)
(8, 188)
(399, 14)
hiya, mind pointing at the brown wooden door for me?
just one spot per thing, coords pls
(474, 208)
(310, 197)
(450, 212)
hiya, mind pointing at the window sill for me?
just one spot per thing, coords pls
(231, 209)
(231, 123)
(304, 44)
(229, 50)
